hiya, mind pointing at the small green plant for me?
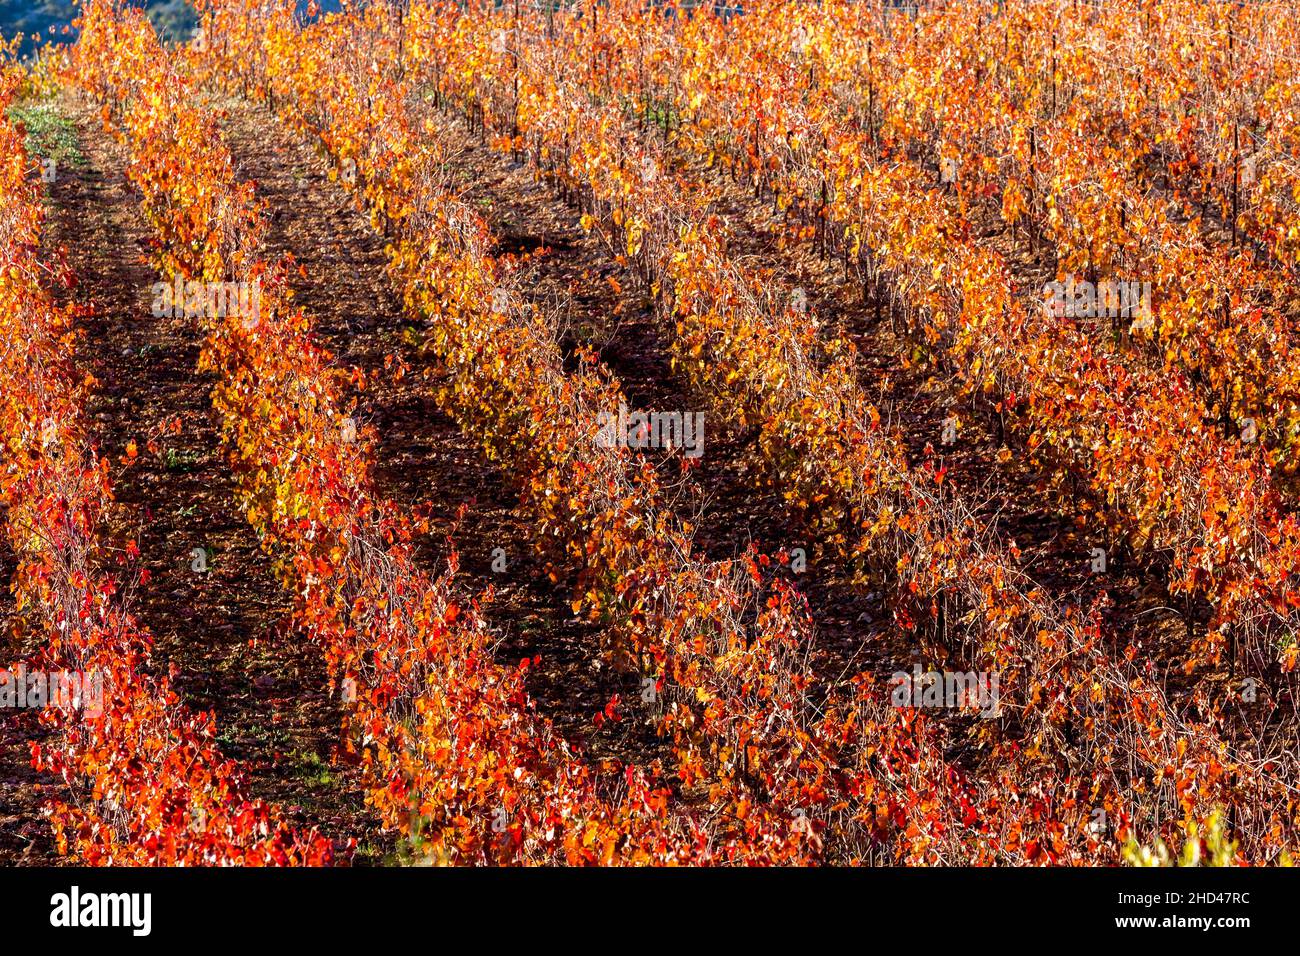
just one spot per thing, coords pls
(312, 768)
(1213, 849)
(416, 850)
(179, 461)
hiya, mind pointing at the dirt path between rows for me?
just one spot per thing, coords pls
(220, 619)
(25, 838)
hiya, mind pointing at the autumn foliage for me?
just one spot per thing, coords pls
(867, 129)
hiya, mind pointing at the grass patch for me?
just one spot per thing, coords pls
(313, 769)
(181, 462)
(50, 134)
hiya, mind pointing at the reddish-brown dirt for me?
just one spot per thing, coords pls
(25, 838)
